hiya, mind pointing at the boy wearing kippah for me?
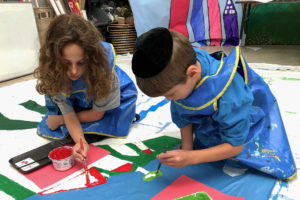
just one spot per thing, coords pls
(223, 108)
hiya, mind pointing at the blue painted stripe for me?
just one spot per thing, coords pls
(153, 108)
(164, 127)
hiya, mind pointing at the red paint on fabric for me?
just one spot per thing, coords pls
(148, 151)
(95, 153)
(124, 168)
(87, 178)
(93, 172)
(60, 153)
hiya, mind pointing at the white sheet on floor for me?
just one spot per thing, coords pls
(284, 81)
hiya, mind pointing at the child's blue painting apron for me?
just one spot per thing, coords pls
(266, 148)
(115, 122)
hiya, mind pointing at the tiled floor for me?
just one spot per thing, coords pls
(281, 55)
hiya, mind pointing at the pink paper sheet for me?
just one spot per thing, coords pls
(47, 175)
(184, 186)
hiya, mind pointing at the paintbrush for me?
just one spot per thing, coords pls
(159, 164)
(84, 161)
(85, 165)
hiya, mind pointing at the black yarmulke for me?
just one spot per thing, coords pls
(152, 52)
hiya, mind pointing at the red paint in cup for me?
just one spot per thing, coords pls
(62, 158)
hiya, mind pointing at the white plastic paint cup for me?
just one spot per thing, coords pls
(62, 158)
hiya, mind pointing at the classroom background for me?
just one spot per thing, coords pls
(268, 35)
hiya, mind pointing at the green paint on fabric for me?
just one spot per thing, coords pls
(32, 105)
(199, 195)
(109, 173)
(152, 175)
(122, 157)
(9, 124)
(14, 189)
(290, 112)
(156, 144)
(290, 79)
(159, 144)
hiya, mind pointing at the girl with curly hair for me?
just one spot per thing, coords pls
(85, 91)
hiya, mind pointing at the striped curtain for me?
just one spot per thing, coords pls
(203, 22)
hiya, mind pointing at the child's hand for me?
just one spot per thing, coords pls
(80, 155)
(54, 121)
(175, 158)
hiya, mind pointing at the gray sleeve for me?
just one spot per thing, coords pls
(112, 100)
(63, 106)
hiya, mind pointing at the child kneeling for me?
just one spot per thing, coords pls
(223, 108)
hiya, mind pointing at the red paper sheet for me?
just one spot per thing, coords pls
(47, 175)
(184, 186)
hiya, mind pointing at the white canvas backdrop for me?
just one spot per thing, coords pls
(19, 40)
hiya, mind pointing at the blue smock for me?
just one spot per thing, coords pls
(232, 104)
(115, 122)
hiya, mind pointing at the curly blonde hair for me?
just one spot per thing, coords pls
(52, 70)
